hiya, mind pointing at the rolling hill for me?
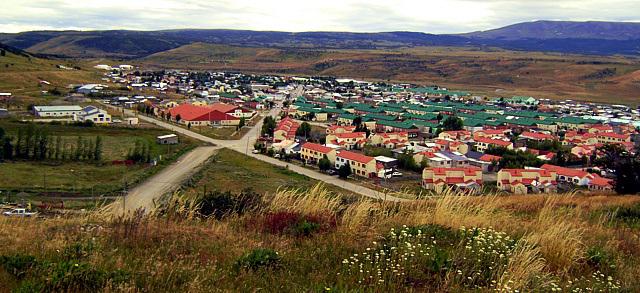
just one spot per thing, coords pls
(599, 38)
(491, 72)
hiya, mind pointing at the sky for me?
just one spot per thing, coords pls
(430, 16)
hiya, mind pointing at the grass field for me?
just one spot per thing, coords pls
(88, 177)
(22, 77)
(309, 242)
(233, 171)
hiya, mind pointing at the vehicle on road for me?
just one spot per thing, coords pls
(19, 213)
(277, 156)
(332, 172)
(396, 174)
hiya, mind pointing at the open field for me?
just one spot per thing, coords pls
(22, 76)
(86, 178)
(290, 241)
(233, 171)
(493, 72)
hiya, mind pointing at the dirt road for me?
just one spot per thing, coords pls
(147, 193)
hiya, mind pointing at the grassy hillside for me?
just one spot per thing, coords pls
(313, 241)
(491, 72)
(21, 76)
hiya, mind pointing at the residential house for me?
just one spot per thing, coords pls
(612, 137)
(573, 176)
(488, 163)
(536, 136)
(460, 135)
(439, 179)
(482, 144)
(312, 153)
(93, 114)
(523, 181)
(390, 140)
(349, 140)
(361, 165)
(333, 129)
(492, 133)
(577, 138)
(285, 130)
(599, 184)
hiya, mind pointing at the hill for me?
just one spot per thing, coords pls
(488, 71)
(563, 30)
(312, 241)
(599, 38)
(22, 73)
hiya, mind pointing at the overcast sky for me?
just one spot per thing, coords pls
(432, 16)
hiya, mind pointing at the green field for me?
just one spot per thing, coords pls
(233, 171)
(86, 178)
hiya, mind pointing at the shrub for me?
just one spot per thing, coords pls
(18, 265)
(74, 276)
(296, 224)
(258, 258)
(600, 259)
(221, 204)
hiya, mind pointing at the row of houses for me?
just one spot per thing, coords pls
(518, 181)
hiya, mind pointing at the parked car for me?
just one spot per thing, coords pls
(277, 156)
(256, 151)
(332, 172)
(19, 213)
(396, 174)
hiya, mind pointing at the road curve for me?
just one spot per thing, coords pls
(245, 145)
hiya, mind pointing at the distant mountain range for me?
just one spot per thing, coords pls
(599, 38)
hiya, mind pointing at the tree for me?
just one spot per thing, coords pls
(268, 126)
(452, 123)
(241, 123)
(7, 148)
(97, 151)
(178, 118)
(304, 130)
(189, 125)
(625, 166)
(407, 162)
(324, 164)
(357, 121)
(344, 171)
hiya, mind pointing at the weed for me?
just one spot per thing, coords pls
(257, 259)
(18, 265)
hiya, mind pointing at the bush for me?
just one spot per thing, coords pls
(73, 276)
(258, 258)
(221, 204)
(295, 224)
(600, 260)
(18, 265)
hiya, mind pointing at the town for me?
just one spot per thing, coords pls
(381, 134)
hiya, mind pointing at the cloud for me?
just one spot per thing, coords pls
(434, 16)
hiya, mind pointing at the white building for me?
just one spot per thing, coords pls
(94, 114)
(103, 67)
(56, 111)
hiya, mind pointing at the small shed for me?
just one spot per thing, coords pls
(167, 139)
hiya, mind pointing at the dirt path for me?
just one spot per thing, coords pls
(147, 193)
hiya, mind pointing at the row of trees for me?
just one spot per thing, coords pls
(37, 144)
(140, 153)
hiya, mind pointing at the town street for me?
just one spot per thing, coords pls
(144, 198)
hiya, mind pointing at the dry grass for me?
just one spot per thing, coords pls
(177, 250)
